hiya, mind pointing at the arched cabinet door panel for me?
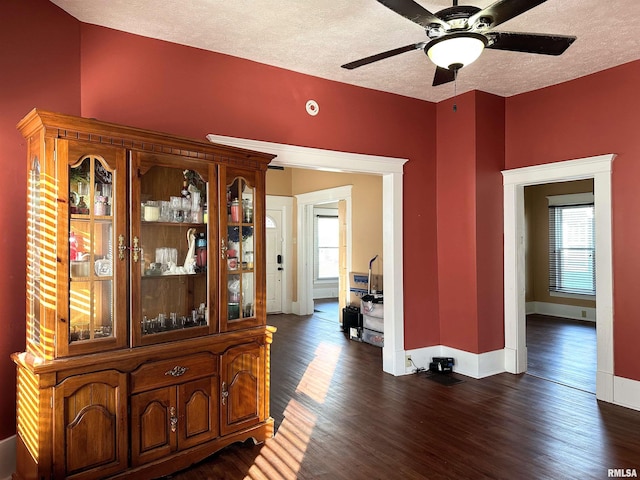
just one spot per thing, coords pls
(242, 388)
(90, 431)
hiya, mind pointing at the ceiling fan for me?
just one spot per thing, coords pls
(457, 35)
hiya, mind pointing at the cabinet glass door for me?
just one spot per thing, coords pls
(92, 253)
(239, 248)
(170, 263)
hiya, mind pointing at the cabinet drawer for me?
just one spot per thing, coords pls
(173, 371)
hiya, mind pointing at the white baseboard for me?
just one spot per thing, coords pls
(617, 390)
(626, 392)
(7, 457)
(325, 291)
(421, 357)
(559, 310)
(470, 364)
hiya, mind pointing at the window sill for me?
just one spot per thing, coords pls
(572, 295)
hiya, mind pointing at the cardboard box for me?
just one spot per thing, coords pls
(359, 285)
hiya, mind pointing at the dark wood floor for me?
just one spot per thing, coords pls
(339, 417)
(562, 350)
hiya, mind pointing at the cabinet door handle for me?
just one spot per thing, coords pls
(177, 371)
(136, 249)
(174, 419)
(121, 247)
(225, 393)
(223, 249)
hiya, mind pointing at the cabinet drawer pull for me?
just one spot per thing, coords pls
(177, 371)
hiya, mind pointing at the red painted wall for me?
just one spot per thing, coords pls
(456, 222)
(168, 87)
(39, 66)
(490, 123)
(593, 115)
(470, 157)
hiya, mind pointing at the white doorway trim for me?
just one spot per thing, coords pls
(391, 170)
(598, 168)
(306, 202)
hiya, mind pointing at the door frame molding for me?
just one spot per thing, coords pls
(599, 169)
(306, 203)
(391, 169)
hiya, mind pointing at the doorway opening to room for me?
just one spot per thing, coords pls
(560, 283)
(390, 170)
(329, 258)
(599, 169)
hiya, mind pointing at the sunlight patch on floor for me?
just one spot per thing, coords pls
(281, 456)
(317, 377)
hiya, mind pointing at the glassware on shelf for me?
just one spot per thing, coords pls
(165, 211)
(197, 317)
(100, 206)
(197, 215)
(235, 211)
(151, 211)
(186, 209)
(201, 252)
(248, 211)
(177, 215)
(82, 207)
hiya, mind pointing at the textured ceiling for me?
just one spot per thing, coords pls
(317, 36)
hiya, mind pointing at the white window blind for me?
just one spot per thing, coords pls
(572, 267)
(326, 247)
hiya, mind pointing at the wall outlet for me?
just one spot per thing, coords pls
(584, 314)
(407, 361)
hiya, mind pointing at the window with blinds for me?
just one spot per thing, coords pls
(326, 245)
(572, 267)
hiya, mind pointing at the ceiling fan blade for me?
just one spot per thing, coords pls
(529, 42)
(383, 55)
(503, 10)
(412, 11)
(443, 75)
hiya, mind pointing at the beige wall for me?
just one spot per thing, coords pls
(366, 205)
(279, 182)
(537, 243)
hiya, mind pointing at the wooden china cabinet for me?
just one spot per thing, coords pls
(147, 347)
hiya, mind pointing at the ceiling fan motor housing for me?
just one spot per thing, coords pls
(456, 19)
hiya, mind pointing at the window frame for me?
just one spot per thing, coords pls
(323, 213)
(570, 201)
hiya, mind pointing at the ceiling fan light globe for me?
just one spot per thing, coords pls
(459, 49)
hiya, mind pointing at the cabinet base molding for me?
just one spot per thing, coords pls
(184, 459)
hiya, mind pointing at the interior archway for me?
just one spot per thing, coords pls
(391, 170)
(598, 168)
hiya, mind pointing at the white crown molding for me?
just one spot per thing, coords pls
(304, 157)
